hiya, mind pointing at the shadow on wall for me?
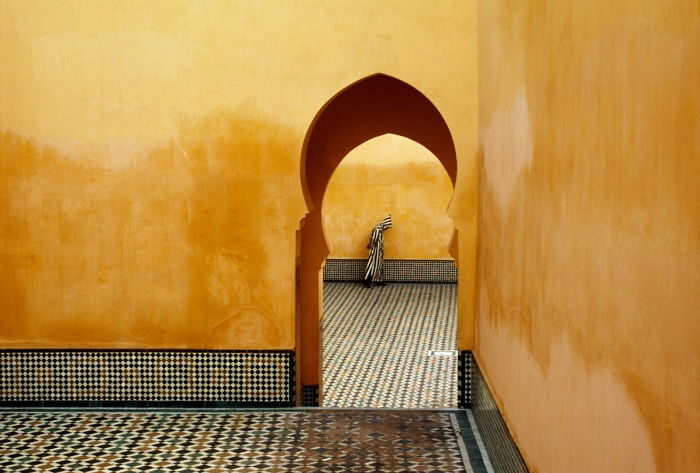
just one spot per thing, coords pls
(179, 247)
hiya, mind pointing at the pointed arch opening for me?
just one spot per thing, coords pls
(371, 107)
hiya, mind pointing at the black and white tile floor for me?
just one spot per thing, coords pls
(376, 345)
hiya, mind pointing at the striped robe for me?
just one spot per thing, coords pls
(375, 261)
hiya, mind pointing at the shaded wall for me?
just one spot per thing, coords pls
(389, 174)
(150, 161)
(589, 253)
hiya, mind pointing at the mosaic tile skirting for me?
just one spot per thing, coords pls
(499, 445)
(146, 378)
(394, 270)
(464, 379)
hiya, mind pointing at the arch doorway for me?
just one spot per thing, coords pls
(377, 342)
(371, 107)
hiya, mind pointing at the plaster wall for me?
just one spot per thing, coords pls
(150, 187)
(389, 175)
(589, 231)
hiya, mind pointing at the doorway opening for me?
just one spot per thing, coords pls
(391, 345)
(371, 107)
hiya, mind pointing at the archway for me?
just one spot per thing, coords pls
(373, 106)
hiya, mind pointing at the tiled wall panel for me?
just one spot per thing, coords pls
(464, 379)
(502, 451)
(113, 377)
(396, 270)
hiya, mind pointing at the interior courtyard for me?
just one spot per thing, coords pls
(349, 236)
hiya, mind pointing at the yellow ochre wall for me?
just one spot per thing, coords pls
(389, 175)
(588, 321)
(149, 165)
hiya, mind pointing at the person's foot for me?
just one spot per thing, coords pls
(367, 284)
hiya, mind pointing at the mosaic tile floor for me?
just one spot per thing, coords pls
(247, 442)
(376, 344)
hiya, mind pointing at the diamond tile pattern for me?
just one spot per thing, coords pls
(247, 442)
(376, 344)
(464, 386)
(167, 376)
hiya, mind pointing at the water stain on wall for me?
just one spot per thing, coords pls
(243, 174)
(621, 441)
(599, 240)
(156, 253)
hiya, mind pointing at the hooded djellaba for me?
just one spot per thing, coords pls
(375, 261)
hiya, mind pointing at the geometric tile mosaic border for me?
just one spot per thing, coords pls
(464, 382)
(499, 444)
(147, 378)
(394, 270)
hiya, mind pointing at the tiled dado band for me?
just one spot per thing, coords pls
(465, 371)
(394, 270)
(147, 378)
(475, 394)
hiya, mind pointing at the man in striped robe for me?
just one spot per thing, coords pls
(375, 261)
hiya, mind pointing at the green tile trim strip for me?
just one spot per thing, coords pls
(147, 378)
(479, 442)
(500, 446)
(394, 270)
(472, 443)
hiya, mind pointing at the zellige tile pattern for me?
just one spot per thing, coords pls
(245, 442)
(147, 376)
(394, 270)
(376, 343)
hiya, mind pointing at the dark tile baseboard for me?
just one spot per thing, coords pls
(309, 396)
(464, 379)
(394, 270)
(147, 378)
(499, 444)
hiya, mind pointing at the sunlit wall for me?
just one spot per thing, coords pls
(389, 175)
(589, 233)
(150, 188)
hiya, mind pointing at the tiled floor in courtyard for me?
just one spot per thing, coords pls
(376, 344)
(236, 441)
(376, 355)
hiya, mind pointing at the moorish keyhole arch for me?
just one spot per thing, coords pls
(371, 107)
